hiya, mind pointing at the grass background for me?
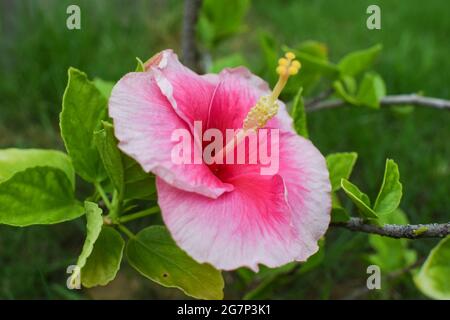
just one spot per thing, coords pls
(36, 50)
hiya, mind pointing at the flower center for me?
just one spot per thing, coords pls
(266, 107)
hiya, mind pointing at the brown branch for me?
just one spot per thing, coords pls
(190, 51)
(409, 231)
(402, 99)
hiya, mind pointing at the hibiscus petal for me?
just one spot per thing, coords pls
(237, 92)
(306, 177)
(270, 220)
(248, 226)
(189, 93)
(144, 121)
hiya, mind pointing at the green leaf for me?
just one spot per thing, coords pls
(358, 61)
(315, 260)
(392, 254)
(84, 106)
(340, 165)
(371, 90)
(433, 278)
(220, 19)
(360, 199)
(103, 263)
(313, 56)
(15, 160)
(39, 195)
(299, 114)
(341, 91)
(390, 193)
(111, 156)
(105, 87)
(267, 280)
(230, 61)
(93, 227)
(138, 183)
(338, 213)
(140, 67)
(155, 255)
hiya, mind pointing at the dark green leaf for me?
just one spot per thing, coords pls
(83, 109)
(338, 213)
(104, 261)
(111, 156)
(138, 184)
(155, 255)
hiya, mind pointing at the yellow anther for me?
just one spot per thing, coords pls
(267, 107)
(296, 64)
(283, 62)
(281, 70)
(292, 70)
(290, 55)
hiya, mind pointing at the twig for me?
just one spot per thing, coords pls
(190, 51)
(401, 99)
(409, 231)
(319, 98)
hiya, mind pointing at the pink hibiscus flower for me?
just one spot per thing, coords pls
(228, 215)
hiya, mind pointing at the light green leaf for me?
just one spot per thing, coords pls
(358, 61)
(360, 199)
(371, 90)
(111, 156)
(140, 67)
(105, 87)
(103, 263)
(93, 227)
(39, 195)
(15, 160)
(155, 255)
(433, 278)
(299, 114)
(341, 91)
(83, 109)
(340, 166)
(390, 193)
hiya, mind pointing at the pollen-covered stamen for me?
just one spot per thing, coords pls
(267, 107)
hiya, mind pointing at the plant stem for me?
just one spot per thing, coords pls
(138, 215)
(102, 193)
(126, 231)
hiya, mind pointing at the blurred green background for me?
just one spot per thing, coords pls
(36, 50)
